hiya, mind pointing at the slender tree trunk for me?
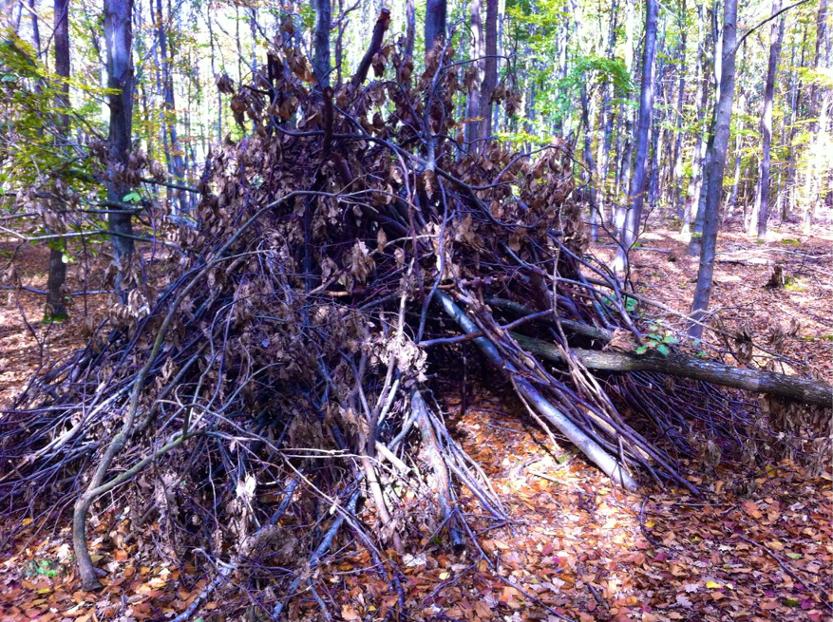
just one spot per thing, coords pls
(636, 193)
(695, 244)
(716, 161)
(253, 33)
(119, 37)
(606, 116)
(176, 152)
(489, 67)
(321, 42)
(589, 165)
(738, 155)
(699, 153)
(762, 203)
(657, 122)
(473, 96)
(435, 23)
(819, 106)
(214, 75)
(675, 177)
(410, 28)
(55, 306)
(795, 100)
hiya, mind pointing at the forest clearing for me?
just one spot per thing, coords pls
(483, 310)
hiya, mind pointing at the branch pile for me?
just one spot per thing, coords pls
(283, 377)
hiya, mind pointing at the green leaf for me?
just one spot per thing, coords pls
(670, 339)
(641, 349)
(663, 349)
(132, 197)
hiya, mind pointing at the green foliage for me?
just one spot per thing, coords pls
(132, 197)
(42, 568)
(657, 340)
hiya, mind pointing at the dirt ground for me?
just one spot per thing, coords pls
(756, 546)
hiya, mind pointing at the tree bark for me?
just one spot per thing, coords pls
(716, 163)
(762, 207)
(435, 23)
(795, 99)
(174, 152)
(55, 305)
(675, 170)
(759, 381)
(489, 68)
(473, 96)
(606, 116)
(589, 165)
(410, 28)
(636, 192)
(321, 42)
(119, 36)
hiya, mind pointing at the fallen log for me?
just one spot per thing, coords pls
(756, 380)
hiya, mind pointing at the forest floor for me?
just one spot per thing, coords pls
(758, 545)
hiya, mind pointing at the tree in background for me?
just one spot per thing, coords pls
(321, 42)
(760, 213)
(636, 193)
(118, 35)
(55, 305)
(435, 23)
(716, 162)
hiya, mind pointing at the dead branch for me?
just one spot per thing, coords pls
(756, 380)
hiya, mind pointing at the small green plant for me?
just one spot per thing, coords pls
(659, 342)
(631, 304)
(132, 197)
(791, 242)
(41, 568)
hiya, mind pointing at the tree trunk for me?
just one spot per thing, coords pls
(675, 165)
(489, 68)
(175, 154)
(435, 23)
(606, 116)
(636, 193)
(321, 42)
(55, 306)
(474, 88)
(214, 75)
(119, 36)
(694, 218)
(762, 207)
(589, 165)
(716, 162)
(795, 99)
(818, 112)
(410, 28)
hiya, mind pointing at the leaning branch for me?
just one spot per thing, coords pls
(589, 447)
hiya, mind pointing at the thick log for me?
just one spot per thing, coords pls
(588, 446)
(756, 380)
